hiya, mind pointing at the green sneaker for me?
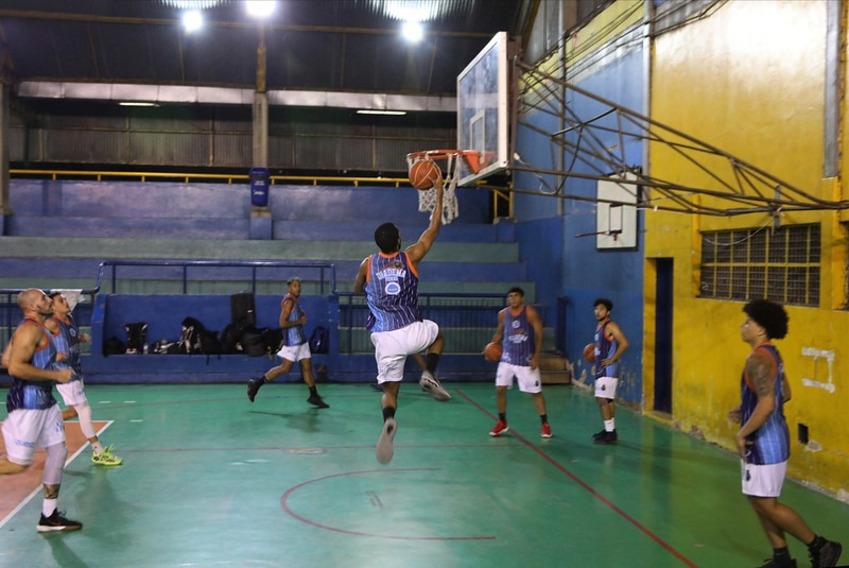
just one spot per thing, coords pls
(106, 457)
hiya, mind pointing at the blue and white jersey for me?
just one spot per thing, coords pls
(519, 342)
(770, 442)
(67, 341)
(392, 292)
(34, 395)
(604, 349)
(294, 335)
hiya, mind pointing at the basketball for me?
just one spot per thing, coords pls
(423, 174)
(492, 352)
(589, 352)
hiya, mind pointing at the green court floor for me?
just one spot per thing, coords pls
(211, 480)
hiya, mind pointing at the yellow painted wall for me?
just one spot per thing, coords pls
(749, 79)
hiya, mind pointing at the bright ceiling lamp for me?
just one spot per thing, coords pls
(192, 20)
(193, 4)
(260, 8)
(415, 10)
(412, 31)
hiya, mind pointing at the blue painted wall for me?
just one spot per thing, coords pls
(570, 273)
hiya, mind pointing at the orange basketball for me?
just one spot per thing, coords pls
(492, 352)
(589, 352)
(423, 174)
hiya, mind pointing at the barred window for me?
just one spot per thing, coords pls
(781, 265)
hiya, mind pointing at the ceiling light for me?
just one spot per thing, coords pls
(412, 31)
(192, 20)
(260, 8)
(193, 4)
(382, 112)
(137, 104)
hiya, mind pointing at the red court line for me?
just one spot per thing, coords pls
(586, 486)
(16, 489)
(284, 502)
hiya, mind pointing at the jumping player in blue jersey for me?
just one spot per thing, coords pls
(67, 338)
(763, 440)
(610, 344)
(390, 279)
(294, 347)
(34, 418)
(520, 334)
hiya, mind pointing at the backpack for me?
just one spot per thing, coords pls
(255, 341)
(230, 340)
(113, 346)
(190, 335)
(136, 337)
(320, 340)
(165, 347)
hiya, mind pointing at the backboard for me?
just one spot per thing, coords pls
(483, 90)
(616, 213)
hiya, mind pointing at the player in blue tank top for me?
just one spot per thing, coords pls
(67, 337)
(610, 345)
(520, 333)
(34, 417)
(763, 440)
(390, 280)
(293, 347)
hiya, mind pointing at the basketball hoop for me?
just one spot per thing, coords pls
(451, 176)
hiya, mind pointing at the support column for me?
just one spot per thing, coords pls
(5, 207)
(261, 222)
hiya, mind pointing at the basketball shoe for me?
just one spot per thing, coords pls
(827, 555)
(384, 450)
(606, 438)
(253, 387)
(431, 386)
(57, 522)
(106, 457)
(317, 401)
(546, 431)
(500, 428)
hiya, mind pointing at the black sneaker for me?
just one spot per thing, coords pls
(253, 387)
(57, 522)
(316, 400)
(827, 555)
(607, 438)
(598, 435)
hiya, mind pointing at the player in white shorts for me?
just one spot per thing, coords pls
(34, 419)
(520, 334)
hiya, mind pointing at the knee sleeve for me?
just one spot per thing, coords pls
(54, 464)
(84, 415)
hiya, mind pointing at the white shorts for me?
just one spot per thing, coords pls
(529, 379)
(392, 347)
(25, 430)
(73, 392)
(295, 353)
(605, 387)
(763, 480)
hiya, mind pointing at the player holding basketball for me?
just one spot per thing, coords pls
(34, 418)
(294, 347)
(763, 440)
(521, 345)
(67, 338)
(610, 344)
(390, 280)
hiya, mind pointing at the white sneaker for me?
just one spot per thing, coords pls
(431, 386)
(384, 450)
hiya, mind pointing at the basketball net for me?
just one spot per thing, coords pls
(450, 175)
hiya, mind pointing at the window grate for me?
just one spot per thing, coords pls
(781, 265)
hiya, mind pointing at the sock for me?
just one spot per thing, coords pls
(544, 418)
(431, 361)
(97, 447)
(388, 412)
(781, 556)
(313, 392)
(503, 417)
(264, 380)
(816, 544)
(48, 506)
(610, 425)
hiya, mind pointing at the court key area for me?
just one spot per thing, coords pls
(210, 479)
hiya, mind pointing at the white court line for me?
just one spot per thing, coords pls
(39, 489)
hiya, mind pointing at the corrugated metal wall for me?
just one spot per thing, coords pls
(300, 139)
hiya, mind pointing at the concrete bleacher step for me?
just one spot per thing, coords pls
(555, 369)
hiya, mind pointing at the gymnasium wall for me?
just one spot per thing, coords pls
(750, 79)
(570, 271)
